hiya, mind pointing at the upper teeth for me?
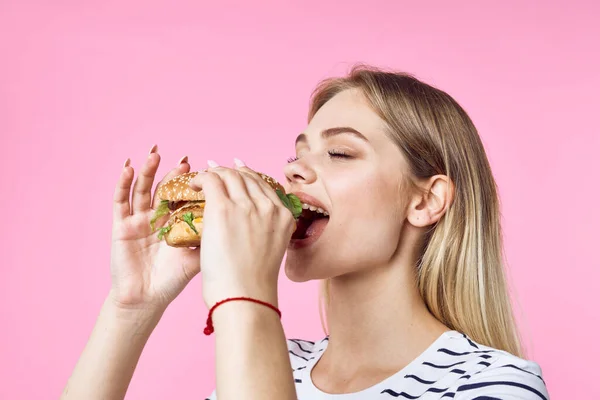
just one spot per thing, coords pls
(314, 208)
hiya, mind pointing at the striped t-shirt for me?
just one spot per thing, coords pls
(452, 367)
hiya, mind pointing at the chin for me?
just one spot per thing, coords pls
(297, 271)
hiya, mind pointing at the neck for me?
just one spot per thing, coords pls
(378, 319)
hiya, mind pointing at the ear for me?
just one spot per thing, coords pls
(431, 202)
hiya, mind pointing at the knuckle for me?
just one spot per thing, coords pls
(267, 207)
(209, 176)
(207, 179)
(250, 207)
(246, 207)
(226, 172)
(286, 216)
(220, 207)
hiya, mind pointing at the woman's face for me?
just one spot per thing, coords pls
(348, 165)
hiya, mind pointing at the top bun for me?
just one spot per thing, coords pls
(178, 188)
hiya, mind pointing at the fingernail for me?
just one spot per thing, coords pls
(127, 162)
(212, 163)
(238, 162)
(183, 160)
(153, 149)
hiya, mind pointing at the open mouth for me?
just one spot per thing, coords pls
(311, 223)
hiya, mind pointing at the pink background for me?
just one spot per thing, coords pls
(84, 85)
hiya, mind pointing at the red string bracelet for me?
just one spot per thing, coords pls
(209, 324)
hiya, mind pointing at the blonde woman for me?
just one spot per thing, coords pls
(404, 234)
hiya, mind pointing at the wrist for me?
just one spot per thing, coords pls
(140, 315)
(243, 314)
(216, 293)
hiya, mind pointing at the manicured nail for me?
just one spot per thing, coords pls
(183, 160)
(153, 149)
(212, 164)
(127, 162)
(238, 162)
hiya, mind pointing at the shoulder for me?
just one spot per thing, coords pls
(502, 376)
(303, 351)
(508, 377)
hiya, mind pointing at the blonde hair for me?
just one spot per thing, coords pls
(460, 271)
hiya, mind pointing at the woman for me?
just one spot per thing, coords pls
(410, 257)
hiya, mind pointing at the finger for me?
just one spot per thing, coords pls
(182, 168)
(258, 193)
(142, 197)
(210, 182)
(236, 187)
(266, 188)
(268, 191)
(121, 207)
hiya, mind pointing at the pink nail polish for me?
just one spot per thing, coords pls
(183, 160)
(153, 149)
(127, 162)
(212, 164)
(238, 162)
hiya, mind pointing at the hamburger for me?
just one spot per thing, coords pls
(185, 208)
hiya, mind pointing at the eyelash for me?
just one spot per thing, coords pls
(332, 154)
(338, 154)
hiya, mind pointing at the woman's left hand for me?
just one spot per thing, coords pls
(246, 230)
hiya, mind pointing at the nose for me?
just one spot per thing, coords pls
(299, 172)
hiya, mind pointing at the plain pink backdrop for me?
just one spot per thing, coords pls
(84, 85)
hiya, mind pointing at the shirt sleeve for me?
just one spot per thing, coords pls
(505, 380)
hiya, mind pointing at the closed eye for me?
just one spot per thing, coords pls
(338, 154)
(332, 154)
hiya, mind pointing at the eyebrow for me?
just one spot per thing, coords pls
(327, 133)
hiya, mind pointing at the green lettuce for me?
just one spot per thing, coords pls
(292, 202)
(189, 219)
(161, 210)
(163, 231)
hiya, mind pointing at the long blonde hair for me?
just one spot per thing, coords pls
(460, 272)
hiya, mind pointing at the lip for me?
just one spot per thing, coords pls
(301, 243)
(305, 198)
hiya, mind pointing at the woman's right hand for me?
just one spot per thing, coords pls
(146, 273)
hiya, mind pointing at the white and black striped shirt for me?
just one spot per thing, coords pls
(453, 367)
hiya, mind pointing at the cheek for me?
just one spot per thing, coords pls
(374, 201)
(369, 232)
(370, 212)
(373, 233)
(364, 232)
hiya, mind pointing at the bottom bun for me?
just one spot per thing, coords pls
(181, 235)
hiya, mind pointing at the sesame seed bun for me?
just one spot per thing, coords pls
(178, 189)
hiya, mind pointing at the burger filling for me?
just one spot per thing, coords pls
(192, 212)
(186, 211)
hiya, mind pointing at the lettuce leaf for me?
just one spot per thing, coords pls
(163, 231)
(189, 219)
(292, 202)
(296, 205)
(162, 209)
